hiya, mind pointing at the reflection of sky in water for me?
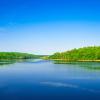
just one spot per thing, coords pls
(57, 84)
(44, 75)
(43, 69)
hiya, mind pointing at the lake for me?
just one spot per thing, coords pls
(44, 80)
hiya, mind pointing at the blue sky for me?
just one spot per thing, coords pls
(48, 26)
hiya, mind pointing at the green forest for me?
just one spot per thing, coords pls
(16, 55)
(81, 54)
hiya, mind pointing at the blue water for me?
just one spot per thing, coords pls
(44, 80)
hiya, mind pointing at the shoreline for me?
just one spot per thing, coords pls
(74, 60)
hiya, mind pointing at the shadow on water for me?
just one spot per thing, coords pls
(95, 66)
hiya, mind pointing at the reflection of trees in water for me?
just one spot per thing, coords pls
(12, 61)
(86, 65)
(7, 62)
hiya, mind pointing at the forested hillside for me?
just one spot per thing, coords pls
(86, 53)
(16, 55)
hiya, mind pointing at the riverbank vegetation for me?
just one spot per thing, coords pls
(81, 54)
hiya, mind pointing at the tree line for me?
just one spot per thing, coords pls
(85, 53)
(16, 55)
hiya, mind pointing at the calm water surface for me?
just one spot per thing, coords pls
(44, 80)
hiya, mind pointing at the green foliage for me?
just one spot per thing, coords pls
(16, 55)
(86, 53)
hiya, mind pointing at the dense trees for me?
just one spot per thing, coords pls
(86, 53)
(16, 55)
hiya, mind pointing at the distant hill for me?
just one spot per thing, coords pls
(16, 55)
(82, 54)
